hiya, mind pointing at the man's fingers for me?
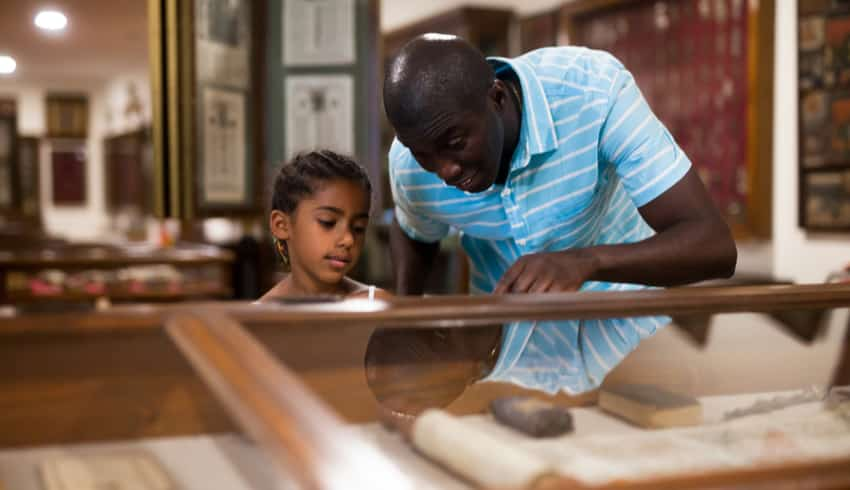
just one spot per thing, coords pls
(541, 285)
(506, 283)
(523, 283)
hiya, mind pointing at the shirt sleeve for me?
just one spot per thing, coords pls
(416, 224)
(644, 154)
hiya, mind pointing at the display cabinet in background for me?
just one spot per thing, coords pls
(52, 275)
(706, 69)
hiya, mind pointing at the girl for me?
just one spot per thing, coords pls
(320, 212)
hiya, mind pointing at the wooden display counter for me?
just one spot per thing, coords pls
(290, 376)
(69, 273)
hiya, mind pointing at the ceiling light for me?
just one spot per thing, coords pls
(7, 65)
(51, 20)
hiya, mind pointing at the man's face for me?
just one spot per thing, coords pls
(463, 147)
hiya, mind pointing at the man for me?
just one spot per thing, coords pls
(559, 178)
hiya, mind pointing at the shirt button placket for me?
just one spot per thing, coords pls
(515, 218)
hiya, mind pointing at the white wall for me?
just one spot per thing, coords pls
(107, 100)
(81, 222)
(798, 255)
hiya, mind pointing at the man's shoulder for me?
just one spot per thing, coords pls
(576, 64)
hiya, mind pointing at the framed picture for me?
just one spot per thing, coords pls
(824, 102)
(826, 200)
(67, 116)
(208, 159)
(706, 69)
(8, 158)
(68, 172)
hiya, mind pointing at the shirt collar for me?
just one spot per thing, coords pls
(538, 129)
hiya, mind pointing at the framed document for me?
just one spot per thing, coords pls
(319, 113)
(222, 148)
(212, 165)
(223, 42)
(824, 108)
(318, 32)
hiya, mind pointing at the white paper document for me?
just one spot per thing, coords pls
(319, 113)
(318, 32)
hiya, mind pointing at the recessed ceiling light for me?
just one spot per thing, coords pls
(7, 65)
(51, 20)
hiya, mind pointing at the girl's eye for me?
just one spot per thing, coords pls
(326, 224)
(358, 229)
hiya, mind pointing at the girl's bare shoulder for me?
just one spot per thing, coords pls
(359, 290)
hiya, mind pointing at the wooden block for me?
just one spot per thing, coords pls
(650, 407)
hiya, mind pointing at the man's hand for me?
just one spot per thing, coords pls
(549, 272)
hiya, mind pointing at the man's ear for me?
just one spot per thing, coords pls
(280, 224)
(498, 93)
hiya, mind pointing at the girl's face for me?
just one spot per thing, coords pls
(325, 233)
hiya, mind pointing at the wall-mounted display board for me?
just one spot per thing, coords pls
(824, 86)
(706, 69)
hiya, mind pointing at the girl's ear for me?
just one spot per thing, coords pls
(280, 224)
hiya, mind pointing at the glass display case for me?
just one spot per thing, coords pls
(246, 396)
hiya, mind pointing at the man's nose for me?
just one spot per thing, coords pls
(448, 170)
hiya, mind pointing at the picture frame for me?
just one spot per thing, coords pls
(706, 69)
(67, 115)
(824, 115)
(68, 172)
(208, 55)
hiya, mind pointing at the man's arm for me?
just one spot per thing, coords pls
(411, 260)
(692, 243)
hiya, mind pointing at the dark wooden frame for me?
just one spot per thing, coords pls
(178, 177)
(802, 171)
(760, 105)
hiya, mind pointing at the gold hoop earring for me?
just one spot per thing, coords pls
(282, 251)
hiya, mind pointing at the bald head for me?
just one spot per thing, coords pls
(432, 73)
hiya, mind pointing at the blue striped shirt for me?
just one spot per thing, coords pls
(590, 152)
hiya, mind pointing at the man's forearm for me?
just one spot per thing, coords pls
(411, 261)
(687, 252)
